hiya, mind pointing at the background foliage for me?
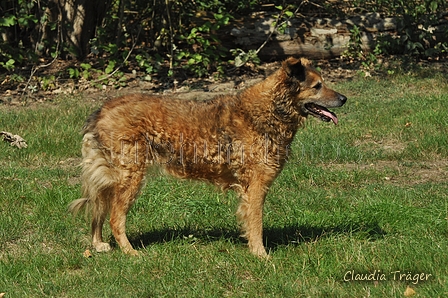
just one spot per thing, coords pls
(160, 37)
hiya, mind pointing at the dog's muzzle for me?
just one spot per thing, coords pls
(322, 112)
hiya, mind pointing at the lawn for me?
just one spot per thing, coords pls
(366, 199)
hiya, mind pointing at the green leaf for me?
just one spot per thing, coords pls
(7, 21)
(10, 62)
(433, 6)
(86, 66)
(86, 74)
(9, 65)
(73, 73)
(110, 67)
(149, 69)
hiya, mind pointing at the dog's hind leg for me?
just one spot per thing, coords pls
(99, 213)
(98, 180)
(125, 195)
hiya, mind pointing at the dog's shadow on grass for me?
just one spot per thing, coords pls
(293, 235)
(274, 237)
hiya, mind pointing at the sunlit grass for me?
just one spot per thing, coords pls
(367, 195)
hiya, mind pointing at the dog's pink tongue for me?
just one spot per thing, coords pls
(331, 115)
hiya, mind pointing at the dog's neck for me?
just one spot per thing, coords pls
(270, 109)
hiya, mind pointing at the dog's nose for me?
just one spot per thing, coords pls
(342, 98)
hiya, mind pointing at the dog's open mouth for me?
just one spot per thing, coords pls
(321, 112)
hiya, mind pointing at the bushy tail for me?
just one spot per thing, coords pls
(76, 205)
(97, 175)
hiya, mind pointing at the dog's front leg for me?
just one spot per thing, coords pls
(250, 215)
(125, 196)
(118, 226)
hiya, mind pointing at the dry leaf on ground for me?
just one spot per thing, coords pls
(409, 292)
(86, 254)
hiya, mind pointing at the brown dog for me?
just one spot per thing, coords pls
(237, 142)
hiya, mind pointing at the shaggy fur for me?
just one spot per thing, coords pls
(237, 142)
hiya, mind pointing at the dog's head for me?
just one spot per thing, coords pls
(311, 94)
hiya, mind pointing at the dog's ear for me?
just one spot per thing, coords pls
(295, 68)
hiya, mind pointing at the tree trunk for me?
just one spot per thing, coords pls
(78, 20)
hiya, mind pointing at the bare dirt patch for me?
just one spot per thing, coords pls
(403, 172)
(388, 145)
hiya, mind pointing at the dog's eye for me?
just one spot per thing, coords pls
(318, 86)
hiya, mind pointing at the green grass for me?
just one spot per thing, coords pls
(369, 194)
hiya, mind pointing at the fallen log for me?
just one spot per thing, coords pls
(316, 38)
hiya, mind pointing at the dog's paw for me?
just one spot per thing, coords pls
(131, 252)
(260, 252)
(102, 246)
